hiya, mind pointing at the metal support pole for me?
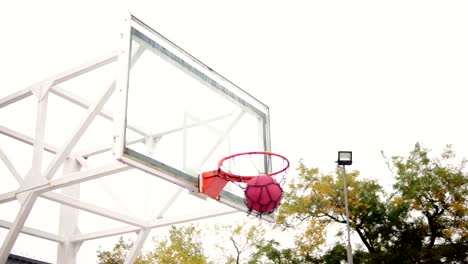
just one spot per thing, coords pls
(348, 248)
(133, 254)
(68, 221)
(17, 225)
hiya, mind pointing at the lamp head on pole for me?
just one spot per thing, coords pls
(345, 158)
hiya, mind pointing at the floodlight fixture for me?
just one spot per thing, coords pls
(345, 158)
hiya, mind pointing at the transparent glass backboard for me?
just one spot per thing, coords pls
(179, 117)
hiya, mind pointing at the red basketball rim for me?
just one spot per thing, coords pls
(246, 177)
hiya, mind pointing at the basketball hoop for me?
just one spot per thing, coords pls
(255, 172)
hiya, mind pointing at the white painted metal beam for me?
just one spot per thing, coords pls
(25, 139)
(189, 218)
(91, 208)
(14, 97)
(35, 232)
(105, 233)
(154, 224)
(94, 151)
(16, 227)
(76, 99)
(68, 218)
(105, 148)
(170, 202)
(38, 147)
(34, 177)
(136, 248)
(79, 177)
(82, 161)
(222, 138)
(136, 56)
(11, 167)
(7, 197)
(71, 142)
(80, 70)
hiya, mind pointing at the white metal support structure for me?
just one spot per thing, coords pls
(68, 222)
(133, 254)
(39, 182)
(34, 177)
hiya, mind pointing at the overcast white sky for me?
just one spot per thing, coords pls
(338, 75)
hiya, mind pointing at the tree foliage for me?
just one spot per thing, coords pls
(118, 253)
(182, 246)
(318, 202)
(423, 220)
(247, 243)
(436, 192)
(271, 252)
(240, 242)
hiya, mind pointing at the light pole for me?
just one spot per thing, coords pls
(346, 158)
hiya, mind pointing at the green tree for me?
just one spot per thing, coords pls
(243, 243)
(436, 192)
(423, 220)
(240, 243)
(182, 246)
(337, 254)
(118, 253)
(271, 253)
(318, 201)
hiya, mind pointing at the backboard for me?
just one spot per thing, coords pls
(178, 117)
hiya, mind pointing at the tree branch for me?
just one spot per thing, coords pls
(369, 247)
(237, 250)
(432, 222)
(334, 218)
(433, 228)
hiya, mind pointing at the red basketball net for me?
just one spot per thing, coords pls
(259, 173)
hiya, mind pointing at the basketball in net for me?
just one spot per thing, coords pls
(263, 194)
(260, 174)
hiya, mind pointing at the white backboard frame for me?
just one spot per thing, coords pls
(196, 69)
